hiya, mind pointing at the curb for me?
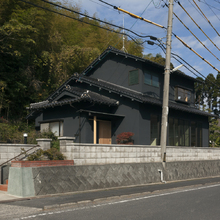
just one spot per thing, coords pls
(92, 202)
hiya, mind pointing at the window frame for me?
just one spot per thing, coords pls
(186, 93)
(189, 135)
(149, 73)
(60, 122)
(129, 77)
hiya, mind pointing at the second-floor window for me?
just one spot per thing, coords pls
(133, 78)
(183, 95)
(151, 79)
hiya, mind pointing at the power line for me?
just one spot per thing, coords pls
(82, 21)
(195, 8)
(198, 25)
(206, 17)
(133, 15)
(186, 45)
(194, 35)
(96, 19)
(174, 55)
(210, 5)
(213, 11)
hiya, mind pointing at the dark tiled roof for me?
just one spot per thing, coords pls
(119, 52)
(80, 95)
(111, 49)
(137, 96)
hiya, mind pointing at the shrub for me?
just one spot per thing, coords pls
(50, 154)
(125, 138)
(49, 134)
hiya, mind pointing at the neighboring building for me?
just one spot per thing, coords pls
(119, 92)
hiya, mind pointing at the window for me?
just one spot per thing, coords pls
(155, 130)
(183, 95)
(185, 133)
(151, 79)
(56, 127)
(133, 77)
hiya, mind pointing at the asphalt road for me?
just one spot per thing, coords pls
(196, 203)
(195, 199)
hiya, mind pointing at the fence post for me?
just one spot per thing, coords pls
(44, 143)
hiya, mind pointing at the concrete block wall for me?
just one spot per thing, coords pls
(8, 151)
(88, 154)
(192, 154)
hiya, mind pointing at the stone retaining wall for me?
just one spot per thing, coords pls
(33, 181)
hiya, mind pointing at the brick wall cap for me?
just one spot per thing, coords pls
(42, 163)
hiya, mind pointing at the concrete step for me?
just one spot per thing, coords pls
(4, 187)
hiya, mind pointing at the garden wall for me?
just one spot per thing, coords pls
(9, 151)
(91, 154)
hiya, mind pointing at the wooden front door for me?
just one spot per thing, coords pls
(105, 133)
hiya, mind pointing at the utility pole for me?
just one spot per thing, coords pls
(165, 110)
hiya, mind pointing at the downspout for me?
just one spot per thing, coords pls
(161, 176)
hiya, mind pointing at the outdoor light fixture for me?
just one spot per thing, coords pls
(176, 68)
(25, 135)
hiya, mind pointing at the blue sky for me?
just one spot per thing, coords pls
(153, 10)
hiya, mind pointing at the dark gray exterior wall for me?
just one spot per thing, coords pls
(115, 69)
(136, 120)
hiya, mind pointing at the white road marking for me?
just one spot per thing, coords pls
(118, 202)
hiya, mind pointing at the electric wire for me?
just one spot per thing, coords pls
(196, 53)
(205, 17)
(141, 14)
(82, 21)
(133, 15)
(195, 8)
(174, 55)
(101, 4)
(96, 19)
(213, 11)
(185, 44)
(204, 2)
(198, 25)
(194, 35)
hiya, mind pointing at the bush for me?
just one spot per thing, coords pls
(13, 133)
(50, 154)
(49, 134)
(125, 138)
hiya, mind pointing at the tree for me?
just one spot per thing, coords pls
(157, 59)
(209, 89)
(199, 92)
(39, 50)
(214, 132)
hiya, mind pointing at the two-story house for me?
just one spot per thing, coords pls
(119, 92)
